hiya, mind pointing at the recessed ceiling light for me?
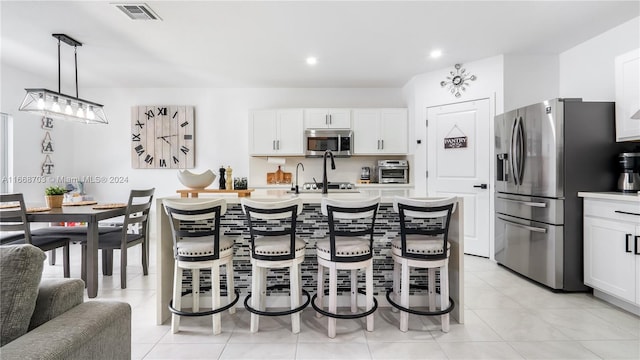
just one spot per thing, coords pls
(435, 53)
(312, 60)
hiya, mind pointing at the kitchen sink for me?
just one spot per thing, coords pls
(319, 191)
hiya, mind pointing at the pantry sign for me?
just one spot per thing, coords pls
(455, 142)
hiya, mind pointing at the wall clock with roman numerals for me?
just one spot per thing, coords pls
(162, 137)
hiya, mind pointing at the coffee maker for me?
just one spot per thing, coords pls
(629, 180)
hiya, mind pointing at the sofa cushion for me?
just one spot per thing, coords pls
(55, 297)
(21, 270)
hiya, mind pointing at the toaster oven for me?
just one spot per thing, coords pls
(393, 171)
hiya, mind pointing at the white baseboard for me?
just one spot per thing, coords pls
(632, 308)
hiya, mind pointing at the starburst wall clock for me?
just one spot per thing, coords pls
(458, 81)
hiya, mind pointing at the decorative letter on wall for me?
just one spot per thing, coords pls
(47, 123)
(162, 137)
(47, 166)
(47, 144)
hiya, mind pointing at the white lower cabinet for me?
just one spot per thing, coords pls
(612, 248)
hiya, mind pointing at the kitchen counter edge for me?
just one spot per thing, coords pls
(275, 195)
(617, 196)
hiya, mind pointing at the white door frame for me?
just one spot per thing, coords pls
(492, 154)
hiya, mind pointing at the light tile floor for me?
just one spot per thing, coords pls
(506, 317)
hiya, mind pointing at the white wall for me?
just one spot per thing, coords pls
(529, 79)
(587, 70)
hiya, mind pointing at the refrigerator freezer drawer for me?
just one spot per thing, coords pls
(550, 211)
(530, 248)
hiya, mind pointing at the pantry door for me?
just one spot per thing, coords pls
(458, 160)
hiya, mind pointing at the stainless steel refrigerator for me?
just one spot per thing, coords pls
(545, 154)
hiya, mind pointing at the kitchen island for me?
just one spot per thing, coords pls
(311, 226)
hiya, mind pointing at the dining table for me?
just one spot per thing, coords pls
(89, 214)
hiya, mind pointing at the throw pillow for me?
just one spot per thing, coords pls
(20, 273)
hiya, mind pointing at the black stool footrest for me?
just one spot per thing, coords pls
(208, 312)
(345, 316)
(417, 312)
(278, 313)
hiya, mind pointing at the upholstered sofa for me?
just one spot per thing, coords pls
(49, 319)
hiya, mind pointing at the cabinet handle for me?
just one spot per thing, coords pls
(330, 119)
(635, 245)
(626, 243)
(382, 144)
(278, 144)
(626, 213)
(326, 119)
(273, 146)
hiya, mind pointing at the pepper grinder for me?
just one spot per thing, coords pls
(222, 181)
(229, 178)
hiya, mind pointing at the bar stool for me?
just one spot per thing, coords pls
(349, 247)
(274, 244)
(424, 227)
(198, 246)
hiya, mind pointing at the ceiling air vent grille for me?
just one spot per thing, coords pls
(138, 11)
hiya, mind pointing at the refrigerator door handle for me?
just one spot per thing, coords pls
(530, 228)
(527, 203)
(512, 152)
(520, 150)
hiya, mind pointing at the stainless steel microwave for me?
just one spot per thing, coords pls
(317, 141)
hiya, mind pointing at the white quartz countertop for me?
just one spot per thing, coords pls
(281, 194)
(617, 196)
(357, 186)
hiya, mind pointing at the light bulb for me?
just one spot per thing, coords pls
(90, 114)
(435, 53)
(67, 109)
(80, 112)
(55, 107)
(41, 102)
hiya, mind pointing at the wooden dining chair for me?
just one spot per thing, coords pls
(137, 213)
(15, 229)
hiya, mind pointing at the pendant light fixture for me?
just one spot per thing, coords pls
(61, 106)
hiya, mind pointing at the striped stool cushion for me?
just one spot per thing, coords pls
(419, 244)
(277, 245)
(203, 246)
(345, 246)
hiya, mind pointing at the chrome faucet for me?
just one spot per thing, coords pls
(296, 188)
(325, 184)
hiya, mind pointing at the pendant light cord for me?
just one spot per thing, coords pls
(75, 55)
(59, 65)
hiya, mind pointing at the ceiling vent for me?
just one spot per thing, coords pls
(139, 11)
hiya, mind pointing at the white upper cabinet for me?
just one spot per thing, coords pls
(380, 131)
(276, 132)
(628, 96)
(327, 118)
